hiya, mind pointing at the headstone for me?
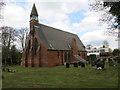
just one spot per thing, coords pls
(93, 63)
(3, 69)
(100, 65)
(79, 63)
(8, 70)
(118, 59)
(67, 65)
(115, 59)
(98, 60)
(75, 65)
(111, 63)
(83, 64)
(103, 61)
(109, 59)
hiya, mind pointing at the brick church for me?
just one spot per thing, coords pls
(47, 46)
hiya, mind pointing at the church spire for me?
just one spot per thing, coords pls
(34, 14)
(33, 18)
(34, 11)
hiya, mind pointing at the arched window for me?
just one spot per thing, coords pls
(35, 46)
(65, 56)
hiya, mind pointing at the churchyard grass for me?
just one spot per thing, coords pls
(61, 77)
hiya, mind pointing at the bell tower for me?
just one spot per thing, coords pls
(33, 17)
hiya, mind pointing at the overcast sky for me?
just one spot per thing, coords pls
(66, 15)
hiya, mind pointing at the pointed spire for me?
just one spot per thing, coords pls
(34, 11)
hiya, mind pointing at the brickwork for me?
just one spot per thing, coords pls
(74, 47)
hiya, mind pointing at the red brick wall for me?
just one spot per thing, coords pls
(46, 58)
(74, 47)
(83, 54)
(53, 59)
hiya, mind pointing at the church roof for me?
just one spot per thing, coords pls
(55, 39)
(34, 11)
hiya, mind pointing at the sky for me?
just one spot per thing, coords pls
(68, 15)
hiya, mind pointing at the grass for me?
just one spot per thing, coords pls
(61, 77)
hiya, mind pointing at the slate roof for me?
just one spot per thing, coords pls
(55, 39)
(34, 11)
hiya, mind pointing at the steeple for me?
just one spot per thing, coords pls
(34, 14)
(33, 19)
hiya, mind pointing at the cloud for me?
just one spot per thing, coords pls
(15, 16)
(96, 38)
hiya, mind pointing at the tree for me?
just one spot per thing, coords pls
(111, 11)
(19, 56)
(22, 33)
(13, 58)
(92, 58)
(13, 55)
(111, 15)
(116, 52)
(4, 55)
(114, 10)
(8, 38)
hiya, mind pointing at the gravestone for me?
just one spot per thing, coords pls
(100, 65)
(118, 59)
(93, 63)
(109, 59)
(103, 60)
(67, 65)
(8, 70)
(79, 63)
(111, 63)
(3, 69)
(83, 64)
(115, 59)
(75, 65)
(98, 60)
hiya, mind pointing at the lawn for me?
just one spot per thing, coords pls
(61, 77)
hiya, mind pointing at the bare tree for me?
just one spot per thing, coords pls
(107, 9)
(8, 38)
(22, 34)
(110, 10)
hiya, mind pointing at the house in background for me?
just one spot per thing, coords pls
(104, 50)
(47, 46)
